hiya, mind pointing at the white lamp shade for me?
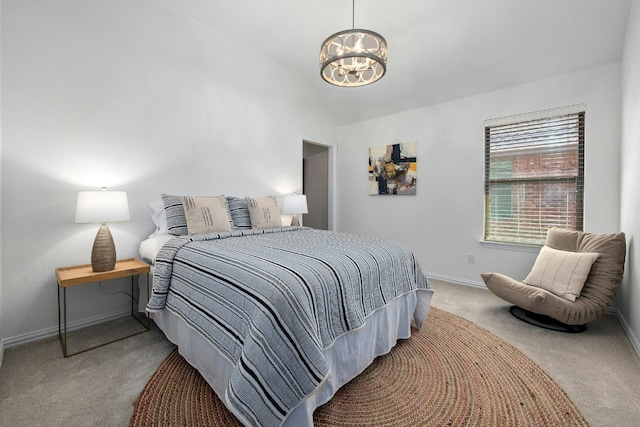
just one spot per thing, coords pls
(295, 204)
(102, 206)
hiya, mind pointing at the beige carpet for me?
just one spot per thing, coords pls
(451, 372)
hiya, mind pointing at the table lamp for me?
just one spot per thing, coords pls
(102, 207)
(295, 204)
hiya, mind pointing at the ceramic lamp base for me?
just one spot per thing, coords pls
(103, 254)
(294, 221)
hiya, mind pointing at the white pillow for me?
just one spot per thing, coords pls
(159, 217)
(560, 272)
(264, 212)
(206, 214)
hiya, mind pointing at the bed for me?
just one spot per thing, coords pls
(277, 319)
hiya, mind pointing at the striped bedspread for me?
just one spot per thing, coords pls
(272, 300)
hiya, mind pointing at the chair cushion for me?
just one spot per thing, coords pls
(516, 292)
(562, 273)
(606, 273)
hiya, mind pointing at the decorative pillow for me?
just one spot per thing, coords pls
(206, 214)
(175, 216)
(176, 221)
(264, 212)
(560, 272)
(159, 217)
(239, 212)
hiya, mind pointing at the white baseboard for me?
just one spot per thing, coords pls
(53, 330)
(635, 343)
(455, 280)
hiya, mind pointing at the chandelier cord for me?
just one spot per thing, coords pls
(353, 15)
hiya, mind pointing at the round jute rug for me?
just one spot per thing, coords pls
(449, 373)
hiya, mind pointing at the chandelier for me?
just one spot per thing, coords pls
(352, 58)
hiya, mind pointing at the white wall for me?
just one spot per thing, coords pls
(444, 221)
(630, 207)
(1, 290)
(130, 96)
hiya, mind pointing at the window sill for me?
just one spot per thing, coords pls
(520, 247)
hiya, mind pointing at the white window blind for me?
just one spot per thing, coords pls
(534, 177)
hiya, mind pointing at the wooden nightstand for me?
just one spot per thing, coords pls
(82, 275)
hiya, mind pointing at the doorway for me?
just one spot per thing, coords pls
(315, 184)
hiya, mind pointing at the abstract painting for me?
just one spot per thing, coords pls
(392, 169)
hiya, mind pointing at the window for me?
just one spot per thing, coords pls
(534, 175)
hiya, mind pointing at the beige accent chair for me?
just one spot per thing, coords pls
(541, 306)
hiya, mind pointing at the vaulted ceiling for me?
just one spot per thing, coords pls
(438, 49)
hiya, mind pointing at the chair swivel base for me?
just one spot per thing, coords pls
(544, 321)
